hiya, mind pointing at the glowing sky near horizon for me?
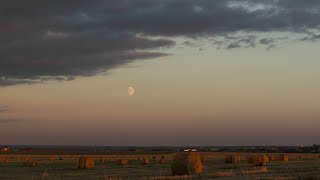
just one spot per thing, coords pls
(246, 88)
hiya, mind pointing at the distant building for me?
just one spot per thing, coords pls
(190, 150)
(5, 149)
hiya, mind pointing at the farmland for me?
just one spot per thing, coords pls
(299, 166)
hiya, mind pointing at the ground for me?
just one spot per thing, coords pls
(300, 166)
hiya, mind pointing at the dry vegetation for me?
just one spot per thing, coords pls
(159, 166)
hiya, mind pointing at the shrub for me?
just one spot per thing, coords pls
(30, 163)
(123, 162)
(284, 157)
(258, 160)
(85, 163)
(186, 164)
(232, 158)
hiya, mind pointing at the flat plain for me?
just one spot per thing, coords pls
(299, 166)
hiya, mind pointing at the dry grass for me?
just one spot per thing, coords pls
(85, 163)
(203, 159)
(30, 163)
(186, 164)
(222, 174)
(263, 169)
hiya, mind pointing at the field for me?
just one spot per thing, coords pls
(299, 166)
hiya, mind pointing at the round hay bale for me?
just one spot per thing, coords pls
(163, 157)
(273, 158)
(85, 163)
(52, 158)
(186, 164)
(30, 163)
(161, 161)
(123, 162)
(234, 159)
(145, 161)
(101, 159)
(154, 157)
(61, 158)
(258, 160)
(284, 157)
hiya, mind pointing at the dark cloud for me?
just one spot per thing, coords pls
(61, 40)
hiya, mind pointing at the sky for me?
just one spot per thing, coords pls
(205, 72)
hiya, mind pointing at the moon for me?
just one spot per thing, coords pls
(130, 91)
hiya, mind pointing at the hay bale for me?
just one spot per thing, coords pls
(258, 160)
(163, 157)
(162, 161)
(85, 163)
(123, 162)
(30, 163)
(284, 157)
(186, 164)
(273, 158)
(234, 159)
(61, 158)
(101, 159)
(52, 158)
(145, 161)
(154, 157)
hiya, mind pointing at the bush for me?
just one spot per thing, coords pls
(30, 163)
(186, 164)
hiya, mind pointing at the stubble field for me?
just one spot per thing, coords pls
(12, 166)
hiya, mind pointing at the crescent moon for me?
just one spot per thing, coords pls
(130, 91)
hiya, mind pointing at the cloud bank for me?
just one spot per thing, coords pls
(45, 40)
